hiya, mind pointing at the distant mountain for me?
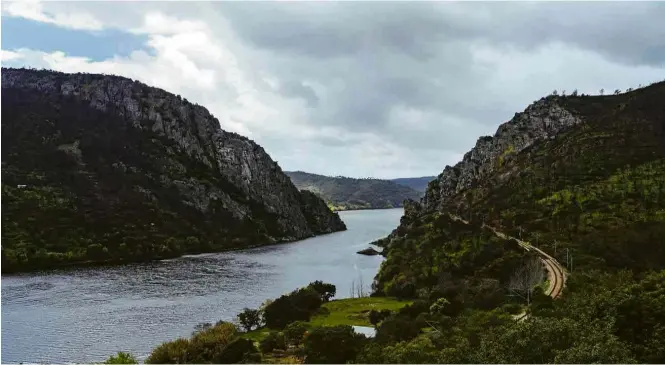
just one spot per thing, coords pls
(99, 168)
(415, 183)
(345, 193)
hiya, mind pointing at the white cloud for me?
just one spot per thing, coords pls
(34, 10)
(402, 93)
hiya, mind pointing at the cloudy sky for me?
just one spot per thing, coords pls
(382, 89)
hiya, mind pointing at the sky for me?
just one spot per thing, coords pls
(360, 89)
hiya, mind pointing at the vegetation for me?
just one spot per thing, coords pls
(594, 198)
(121, 358)
(344, 193)
(332, 345)
(218, 344)
(249, 318)
(416, 183)
(82, 186)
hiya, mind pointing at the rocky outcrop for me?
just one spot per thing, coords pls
(241, 178)
(369, 252)
(541, 120)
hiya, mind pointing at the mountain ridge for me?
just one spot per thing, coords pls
(346, 193)
(179, 151)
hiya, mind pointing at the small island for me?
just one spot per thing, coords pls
(370, 251)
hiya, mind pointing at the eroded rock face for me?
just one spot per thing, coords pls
(541, 120)
(252, 174)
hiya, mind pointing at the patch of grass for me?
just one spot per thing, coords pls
(256, 335)
(354, 311)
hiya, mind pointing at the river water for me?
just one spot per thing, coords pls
(85, 315)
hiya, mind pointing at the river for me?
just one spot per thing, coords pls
(85, 315)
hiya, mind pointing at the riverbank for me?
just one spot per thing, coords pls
(357, 208)
(74, 265)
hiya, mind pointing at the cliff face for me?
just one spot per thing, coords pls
(182, 148)
(542, 120)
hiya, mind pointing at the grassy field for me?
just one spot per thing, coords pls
(352, 312)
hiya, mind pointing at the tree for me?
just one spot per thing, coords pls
(294, 332)
(398, 328)
(375, 317)
(274, 341)
(121, 358)
(332, 345)
(325, 290)
(240, 350)
(298, 305)
(526, 277)
(602, 91)
(249, 318)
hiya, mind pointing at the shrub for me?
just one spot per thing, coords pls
(274, 341)
(325, 290)
(121, 358)
(299, 305)
(249, 318)
(332, 345)
(240, 350)
(206, 345)
(294, 332)
(398, 328)
(172, 352)
(375, 317)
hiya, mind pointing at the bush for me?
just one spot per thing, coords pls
(249, 318)
(325, 290)
(121, 358)
(413, 310)
(375, 317)
(240, 350)
(274, 341)
(332, 345)
(206, 345)
(172, 352)
(398, 328)
(294, 332)
(299, 305)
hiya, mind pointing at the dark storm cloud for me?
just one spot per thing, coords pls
(419, 55)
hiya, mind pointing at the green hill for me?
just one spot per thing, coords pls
(100, 169)
(580, 177)
(344, 193)
(415, 183)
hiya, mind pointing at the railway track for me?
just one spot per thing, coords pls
(555, 272)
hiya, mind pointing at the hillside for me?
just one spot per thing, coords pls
(415, 183)
(583, 179)
(100, 168)
(344, 193)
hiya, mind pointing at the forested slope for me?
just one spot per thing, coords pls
(580, 177)
(100, 168)
(343, 193)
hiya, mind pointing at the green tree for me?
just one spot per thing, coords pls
(273, 341)
(121, 358)
(249, 318)
(332, 345)
(325, 290)
(294, 332)
(299, 305)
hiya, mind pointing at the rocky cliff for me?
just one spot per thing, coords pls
(541, 120)
(115, 133)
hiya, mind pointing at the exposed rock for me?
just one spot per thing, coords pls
(210, 169)
(369, 252)
(543, 119)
